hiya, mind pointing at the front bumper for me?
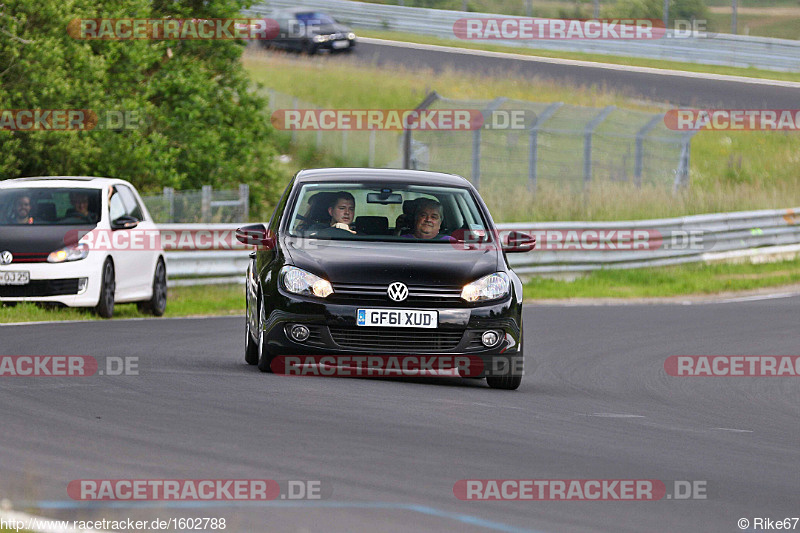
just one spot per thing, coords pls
(55, 282)
(333, 330)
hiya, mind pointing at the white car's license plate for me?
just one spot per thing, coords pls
(17, 277)
(340, 44)
(397, 318)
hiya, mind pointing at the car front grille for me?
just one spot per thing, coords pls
(30, 257)
(362, 294)
(396, 339)
(37, 288)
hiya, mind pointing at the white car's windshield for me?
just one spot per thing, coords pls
(409, 213)
(49, 206)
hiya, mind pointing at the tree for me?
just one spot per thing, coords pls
(204, 124)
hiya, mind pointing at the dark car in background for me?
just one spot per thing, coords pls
(316, 285)
(309, 30)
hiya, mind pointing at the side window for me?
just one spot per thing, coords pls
(116, 208)
(132, 207)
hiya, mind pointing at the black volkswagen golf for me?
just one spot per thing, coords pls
(388, 262)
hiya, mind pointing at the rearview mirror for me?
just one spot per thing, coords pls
(384, 198)
(255, 235)
(124, 222)
(516, 241)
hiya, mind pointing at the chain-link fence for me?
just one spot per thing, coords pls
(564, 146)
(204, 205)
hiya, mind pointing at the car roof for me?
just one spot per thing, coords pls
(414, 177)
(92, 182)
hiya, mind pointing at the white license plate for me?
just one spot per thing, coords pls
(340, 44)
(19, 277)
(397, 318)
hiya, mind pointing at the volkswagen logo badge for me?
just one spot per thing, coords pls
(6, 258)
(398, 291)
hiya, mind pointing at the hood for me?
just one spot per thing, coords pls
(327, 29)
(435, 264)
(22, 241)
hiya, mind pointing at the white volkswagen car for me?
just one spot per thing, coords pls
(80, 242)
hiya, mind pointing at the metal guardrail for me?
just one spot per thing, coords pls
(725, 236)
(711, 49)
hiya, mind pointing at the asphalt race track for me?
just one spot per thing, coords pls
(599, 406)
(673, 90)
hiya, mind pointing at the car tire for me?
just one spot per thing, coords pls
(264, 355)
(157, 303)
(108, 285)
(511, 378)
(250, 347)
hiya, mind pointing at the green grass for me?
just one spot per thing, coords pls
(181, 301)
(684, 280)
(730, 171)
(599, 58)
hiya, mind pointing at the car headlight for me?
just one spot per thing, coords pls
(351, 36)
(73, 252)
(299, 281)
(320, 38)
(488, 287)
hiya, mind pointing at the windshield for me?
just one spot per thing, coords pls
(49, 207)
(315, 19)
(373, 212)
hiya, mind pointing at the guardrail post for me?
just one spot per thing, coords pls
(205, 206)
(244, 199)
(533, 145)
(430, 99)
(640, 135)
(169, 197)
(587, 143)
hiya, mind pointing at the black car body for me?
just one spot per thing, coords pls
(309, 30)
(361, 266)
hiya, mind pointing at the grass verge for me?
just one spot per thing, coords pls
(182, 301)
(730, 171)
(582, 56)
(683, 280)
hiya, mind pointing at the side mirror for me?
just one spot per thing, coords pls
(124, 222)
(516, 241)
(255, 235)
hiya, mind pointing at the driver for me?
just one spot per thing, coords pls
(342, 211)
(22, 211)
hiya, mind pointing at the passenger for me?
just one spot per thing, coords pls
(428, 221)
(22, 211)
(341, 209)
(80, 207)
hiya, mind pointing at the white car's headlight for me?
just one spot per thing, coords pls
(489, 287)
(351, 36)
(299, 281)
(73, 252)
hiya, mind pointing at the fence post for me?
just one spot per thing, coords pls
(294, 131)
(344, 144)
(682, 172)
(431, 98)
(640, 135)
(476, 140)
(533, 144)
(372, 134)
(244, 199)
(205, 206)
(587, 143)
(169, 196)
